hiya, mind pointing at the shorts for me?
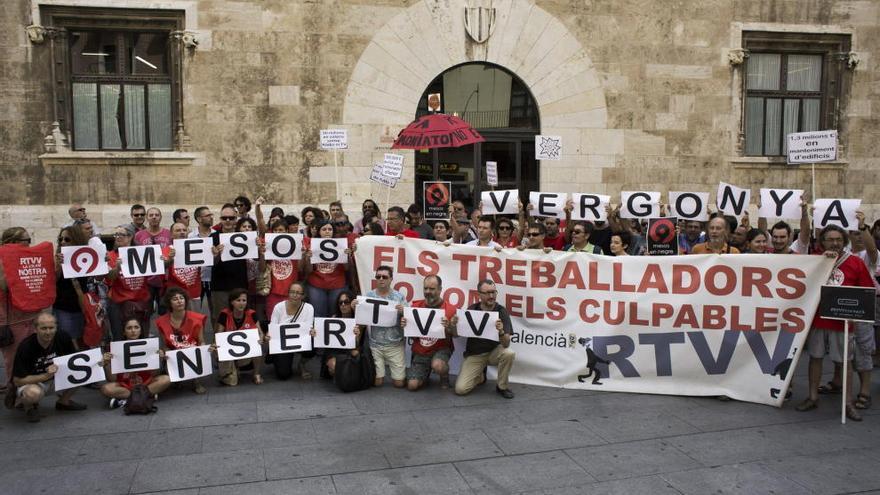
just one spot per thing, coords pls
(863, 350)
(48, 388)
(392, 356)
(821, 342)
(420, 364)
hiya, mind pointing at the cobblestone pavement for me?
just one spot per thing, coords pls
(303, 437)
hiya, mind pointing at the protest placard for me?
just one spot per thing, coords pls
(79, 368)
(334, 139)
(283, 247)
(134, 355)
(191, 362)
(781, 203)
(639, 204)
(546, 204)
(732, 200)
(193, 252)
(239, 246)
(335, 333)
(84, 261)
(548, 147)
(436, 199)
(238, 344)
(591, 207)
(329, 250)
(689, 205)
(377, 177)
(840, 212)
(492, 173)
(661, 237)
(505, 202)
(812, 146)
(477, 324)
(392, 165)
(375, 311)
(141, 261)
(290, 337)
(424, 323)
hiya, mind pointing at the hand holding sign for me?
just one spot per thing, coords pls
(191, 362)
(840, 212)
(290, 337)
(84, 261)
(732, 200)
(548, 204)
(193, 252)
(239, 246)
(335, 333)
(781, 203)
(134, 355)
(504, 202)
(478, 324)
(238, 344)
(329, 250)
(375, 311)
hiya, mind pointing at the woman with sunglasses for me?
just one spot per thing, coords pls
(181, 328)
(129, 297)
(294, 310)
(344, 309)
(505, 234)
(237, 316)
(68, 312)
(21, 323)
(326, 280)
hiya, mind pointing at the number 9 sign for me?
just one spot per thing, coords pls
(84, 261)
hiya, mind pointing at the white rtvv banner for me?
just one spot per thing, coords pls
(684, 325)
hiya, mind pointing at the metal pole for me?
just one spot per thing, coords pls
(845, 372)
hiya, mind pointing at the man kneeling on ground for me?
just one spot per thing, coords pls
(431, 354)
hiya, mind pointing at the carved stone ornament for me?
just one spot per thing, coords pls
(479, 23)
(35, 33)
(737, 56)
(188, 38)
(56, 141)
(852, 60)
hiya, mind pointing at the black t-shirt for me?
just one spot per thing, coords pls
(602, 238)
(482, 346)
(223, 319)
(65, 295)
(32, 359)
(228, 275)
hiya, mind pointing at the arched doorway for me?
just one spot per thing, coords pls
(498, 104)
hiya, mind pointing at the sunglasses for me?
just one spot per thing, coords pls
(535, 234)
(138, 214)
(65, 239)
(81, 209)
(344, 302)
(227, 218)
(27, 240)
(382, 277)
(504, 227)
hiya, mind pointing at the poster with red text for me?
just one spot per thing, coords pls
(699, 325)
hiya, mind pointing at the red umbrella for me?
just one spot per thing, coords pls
(436, 130)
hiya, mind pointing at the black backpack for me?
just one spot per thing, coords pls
(140, 401)
(355, 373)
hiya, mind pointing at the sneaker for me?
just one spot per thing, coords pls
(506, 392)
(32, 415)
(70, 406)
(117, 403)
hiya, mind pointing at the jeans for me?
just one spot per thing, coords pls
(71, 322)
(323, 300)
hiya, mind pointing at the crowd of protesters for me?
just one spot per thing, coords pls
(187, 304)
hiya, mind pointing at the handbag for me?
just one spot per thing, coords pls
(7, 338)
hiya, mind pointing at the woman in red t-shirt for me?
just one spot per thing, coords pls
(180, 328)
(505, 234)
(237, 316)
(129, 297)
(282, 273)
(326, 280)
(118, 387)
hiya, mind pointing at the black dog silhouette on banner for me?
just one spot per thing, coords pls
(782, 370)
(592, 361)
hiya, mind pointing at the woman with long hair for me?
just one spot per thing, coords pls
(505, 233)
(67, 308)
(118, 387)
(129, 297)
(344, 309)
(326, 280)
(756, 241)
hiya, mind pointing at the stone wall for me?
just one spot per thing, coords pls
(641, 91)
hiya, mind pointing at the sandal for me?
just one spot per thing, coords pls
(862, 401)
(852, 414)
(830, 388)
(258, 379)
(807, 405)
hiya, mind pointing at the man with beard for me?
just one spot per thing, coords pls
(431, 354)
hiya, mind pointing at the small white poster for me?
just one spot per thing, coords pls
(375, 311)
(424, 323)
(239, 246)
(78, 369)
(812, 147)
(781, 203)
(377, 177)
(335, 333)
(285, 338)
(548, 147)
(492, 173)
(334, 139)
(189, 363)
(392, 166)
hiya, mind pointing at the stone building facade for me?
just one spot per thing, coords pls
(646, 95)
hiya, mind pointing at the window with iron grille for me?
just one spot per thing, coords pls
(792, 83)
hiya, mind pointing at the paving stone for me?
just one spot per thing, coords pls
(324, 407)
(140, 445)
(202, 415)
(38, 453)
(647, 485)
(523, 472)
(625, 425)
(248, 392)
(752, 478)
(365, 428)
(842, 472)
(299, 462)
(710, 414)
(389, 399)
(441, 479)
(628, 460)
(258, 436)
(303, 486)
(66, 424)
(519, 439)
(199, 470)
(451, 419)
(89, 479)
(432, 449)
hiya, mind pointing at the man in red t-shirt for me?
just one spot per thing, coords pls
(188, 278)
(430, 354)
(395, 221)
(826, 336)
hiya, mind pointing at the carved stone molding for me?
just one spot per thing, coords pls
(737, 56)
(188, 38)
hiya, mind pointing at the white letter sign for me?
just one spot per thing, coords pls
(78, 369)
(238, 344)
(781, 203)
(732, 200)
(377, 177)
(639, 204)
(689, 205)
(193, 252)
(375, 311)
(84, 261)
(592, 207)
(283, 246)
(335, 333)
(477, 324)
(134, 355)
(424, 323)
(492, 173)
(285, 338)
(189, 363)
(141, 261)
(329, 250)
(840, 212)
(239, 246)
(547, 204)
(504, 202)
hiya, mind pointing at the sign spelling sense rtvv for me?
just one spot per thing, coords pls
(847, 303)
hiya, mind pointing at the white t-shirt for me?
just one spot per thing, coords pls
(280, 315)
(476, 242)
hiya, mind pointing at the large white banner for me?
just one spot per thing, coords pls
(700, 325)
